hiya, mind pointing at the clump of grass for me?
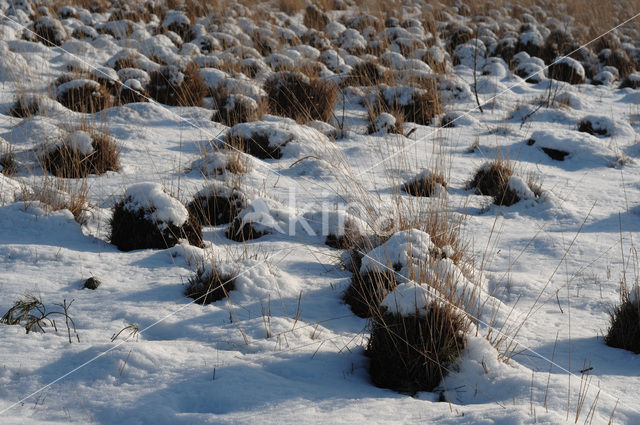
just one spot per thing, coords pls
(385, 122)
(257, 145)
(619, 59)
(213, 206)
(81, 154)
(209, 285)
(291, 6)
(425, 184)
(33, 314)
(624, 327)
(367, 290)
(48, 31)
(87, 96)
(175, 87)
(134, 226)
(413, 353)
(423, 106)
(131, 92)
(567, 71)
(24, 107)
(492, 179)
(368, 74)
(631, 81)
(315, 18)
(8, 163)
(296, 96)
(241, 231)
(349, 237)
(236, 109)
(586, 126)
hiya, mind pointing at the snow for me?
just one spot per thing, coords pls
(80, 140)
(384, 122)
(284, 347)
(82, 83)
(408, 299)
(403, 248)
(161, 207)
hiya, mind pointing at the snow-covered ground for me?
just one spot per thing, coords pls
(284, 347)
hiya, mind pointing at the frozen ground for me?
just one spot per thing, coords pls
(284, 348)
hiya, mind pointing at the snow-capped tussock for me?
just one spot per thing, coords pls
(408, 299)
(403, 248)
(81, 141)
(518, 185)
(162, 208)
(384, 123)
(84, 84)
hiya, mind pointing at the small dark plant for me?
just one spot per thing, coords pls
(425, 184)
(236, 109)
(241, 231)
(492, 179)
(133, 226)
(24, 107)
(368, 74)
(624, 327)
(257, 145)
(367, 290)
(34, 316)
(209, 285)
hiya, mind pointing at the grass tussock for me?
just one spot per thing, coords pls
(492, 179)
(315, 18)
(86, 96)
(8, 163)
(72, 159)
(368, 74)
(241, 231)
(298, 97)
(133, 226)
(425, 185)
(624, 323)
(175, 87)
(257, 145)
(367, 290)
(236, 109)
(209, 285)
(413, 353)
(212, 209)
(24, 107)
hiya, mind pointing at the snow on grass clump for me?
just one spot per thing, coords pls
(426, 183)
(81, 153)
(148, 217)
(216, 204)
(405, 247)
(84, 95)
(386, 123)
(274, 138)
(568, 70)
(414, 340)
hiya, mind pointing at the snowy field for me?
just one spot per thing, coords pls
(154, 107)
